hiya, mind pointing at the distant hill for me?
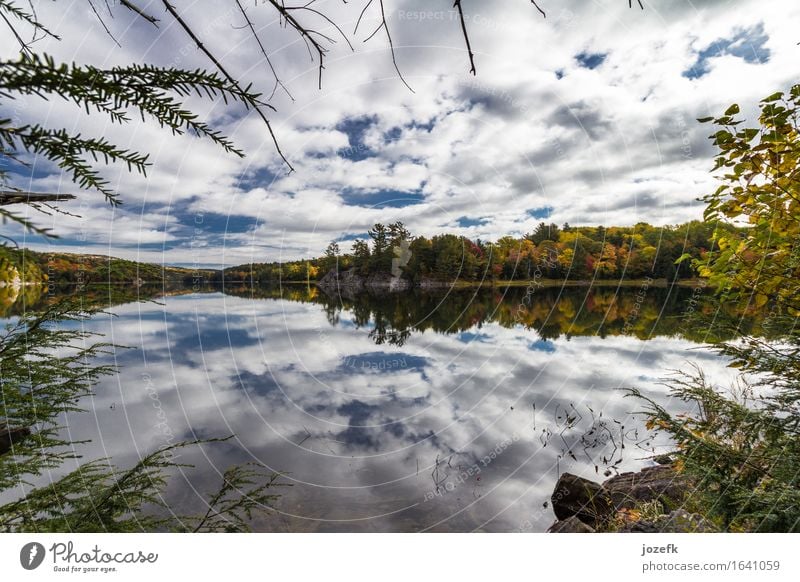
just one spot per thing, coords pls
(27, 267)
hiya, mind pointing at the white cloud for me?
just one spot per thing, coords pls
(616, 144)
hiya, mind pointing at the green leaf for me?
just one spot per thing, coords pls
(749, 134)
(723, 136)
(704, 119)
(773, 97)
(732, 110)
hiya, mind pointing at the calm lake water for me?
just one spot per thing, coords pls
(412, 412)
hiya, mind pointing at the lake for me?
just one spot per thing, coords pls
(409, 412)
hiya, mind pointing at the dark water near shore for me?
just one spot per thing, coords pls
(445, 411)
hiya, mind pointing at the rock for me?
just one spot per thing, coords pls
(664, 460)
(428, 283)
(387, 282)
(570, 525)
(595, 504)
(349, 283)
(342, 281)
(9, 436)
(651, 483)
(678, 521)
(581, 498)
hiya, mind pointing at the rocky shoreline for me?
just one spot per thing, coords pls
(648, 501)
(349, 283)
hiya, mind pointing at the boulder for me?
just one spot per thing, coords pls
(387, 282)
(570, 525)
(349, 283)
(586, 500)
(651, 483)
(345, 282)
(595, 504)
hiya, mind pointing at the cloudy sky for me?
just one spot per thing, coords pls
(586, 117)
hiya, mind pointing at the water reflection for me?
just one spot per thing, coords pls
(445, 412)
(642, 311)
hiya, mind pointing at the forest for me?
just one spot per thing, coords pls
(549, 252)
(575, 253)
(32, 268)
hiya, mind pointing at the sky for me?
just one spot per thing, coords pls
(587, 116)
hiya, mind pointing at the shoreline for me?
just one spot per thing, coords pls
(540, 283)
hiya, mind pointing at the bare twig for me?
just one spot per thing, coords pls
(278, 82)
(305, 34)
(35, 36)
(457, 5)
(327, 19)
(133, 8)
(391, 46)
(50, 209)
(23, 45)
(360, 16)
(171, 9)
(100, 18)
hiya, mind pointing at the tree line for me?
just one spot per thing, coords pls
(548, 252)
(26, 267)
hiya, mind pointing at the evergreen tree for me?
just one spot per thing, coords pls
(361, 256)
(331, 259)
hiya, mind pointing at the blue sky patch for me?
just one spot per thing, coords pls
(542, 346)
(465, 221)
(543, 212)
(393, 134)
(255, 178)
(261, 384)
(214, 337)
(590, 60)
(426, 125)
(213, 223)
(748, 44)
(356, 128)
(382, 198)
(355, 434)
(469, 337)
(356, 236)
